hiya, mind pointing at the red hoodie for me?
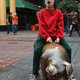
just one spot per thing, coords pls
(51, 23)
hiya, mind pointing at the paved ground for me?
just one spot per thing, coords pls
(16, 54)
(15, 47)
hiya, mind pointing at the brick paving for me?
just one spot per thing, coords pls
(11, 51)
(16, 54)
(15, 47)
(20, 35)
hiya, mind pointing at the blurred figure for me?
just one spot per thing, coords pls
(74, 24)
(70, 20)
(9, 21)
(65, 22)
(15, 23)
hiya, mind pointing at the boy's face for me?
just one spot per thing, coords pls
(65, 12)
(14, 15)
(49, 3)
(11, 14)
(72, 13)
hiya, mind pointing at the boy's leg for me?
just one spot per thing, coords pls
(13, 28)
(8, 29)
(73, 26)
(77, 29)
(66, 29)
(67, 47)
(40, 42)
(16, 28)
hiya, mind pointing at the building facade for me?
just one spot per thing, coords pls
(26, 10)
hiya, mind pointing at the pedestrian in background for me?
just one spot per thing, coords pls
(74, 24)
(9, 21)
(15, 23)
(70, 20)
(65, 22)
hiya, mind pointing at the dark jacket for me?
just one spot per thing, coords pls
(10, 19)
(70, 20)
(65, 19)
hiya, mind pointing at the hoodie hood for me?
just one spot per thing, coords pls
(55, 4)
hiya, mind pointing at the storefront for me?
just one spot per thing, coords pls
(26, 12)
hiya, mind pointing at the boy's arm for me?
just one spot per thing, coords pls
(8, 21)
(17, 18)
(60, 26)
(75, 21)
(42, 27)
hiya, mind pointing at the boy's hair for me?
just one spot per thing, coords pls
(64, 11)
(15, 14)
(10, 13)
(55, 4)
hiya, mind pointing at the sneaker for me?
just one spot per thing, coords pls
(15, 33)
(33, 77)
(68, 34)
(72, 77)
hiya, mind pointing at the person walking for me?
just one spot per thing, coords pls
(65, 22)
(51, 28)
(9, 21)
(74, 24)
(15, 23)
(70, 20)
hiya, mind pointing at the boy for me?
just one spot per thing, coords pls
(65, 22)
(15, 23)
(74, 24)
(51, 28)
(9, 21)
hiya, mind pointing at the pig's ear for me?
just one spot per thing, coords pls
(69, 68)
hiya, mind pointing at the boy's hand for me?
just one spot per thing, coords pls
(8, 23)
(57, 40)
(49, 40)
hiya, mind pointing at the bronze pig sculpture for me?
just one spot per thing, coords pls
(54, 62)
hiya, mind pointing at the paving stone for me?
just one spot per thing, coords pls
(21, 69)
(74, 47)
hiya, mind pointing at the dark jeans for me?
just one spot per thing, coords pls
(40, 42)
(65, 27)
(9, 27)
(14, 28)
(74, 26)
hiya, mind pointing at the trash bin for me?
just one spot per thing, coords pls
(33, 28)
